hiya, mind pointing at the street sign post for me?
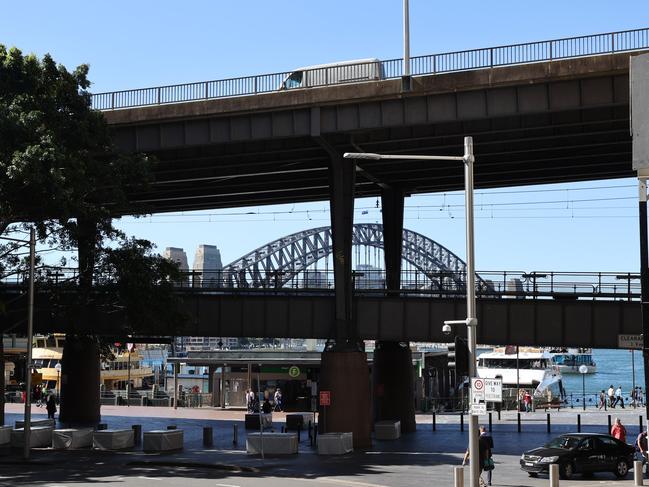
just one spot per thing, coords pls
(478, 397)
(325, 400)
(629, 341)
(493, 390)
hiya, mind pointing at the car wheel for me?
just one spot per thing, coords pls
(566, 471)
(533, 474)
(621, 468)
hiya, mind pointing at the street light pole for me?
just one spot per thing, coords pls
(30, 334)
(471, 320)
(583, 370)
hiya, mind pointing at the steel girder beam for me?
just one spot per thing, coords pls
(392, 214)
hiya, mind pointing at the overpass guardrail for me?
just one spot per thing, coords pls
(489, 57)
(434, 283)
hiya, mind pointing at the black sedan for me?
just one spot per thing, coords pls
(580, 453)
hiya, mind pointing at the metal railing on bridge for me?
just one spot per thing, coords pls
(494, 284)
(489, 57)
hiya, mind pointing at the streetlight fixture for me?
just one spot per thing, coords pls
(471, 321)
(583, 370)
(58, 379)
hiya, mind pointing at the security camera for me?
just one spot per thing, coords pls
(446, 329)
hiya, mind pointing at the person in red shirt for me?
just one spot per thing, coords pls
(618, 430)
(527, 400)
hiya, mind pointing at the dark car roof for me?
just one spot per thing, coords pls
(583, 435)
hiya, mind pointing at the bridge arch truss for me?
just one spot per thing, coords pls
(279, 263)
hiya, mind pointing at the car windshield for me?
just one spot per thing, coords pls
(564, 442)
(294, 81)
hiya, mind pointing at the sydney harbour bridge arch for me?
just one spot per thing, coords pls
(292, 261)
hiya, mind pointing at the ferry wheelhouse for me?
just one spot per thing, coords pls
(568, 360)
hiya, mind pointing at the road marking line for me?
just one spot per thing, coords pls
(337, 481)
(226, 485)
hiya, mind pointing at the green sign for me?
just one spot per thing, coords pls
(294, 371)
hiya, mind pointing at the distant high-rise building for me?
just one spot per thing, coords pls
(369, 277)
(207, 262)
(178, 255)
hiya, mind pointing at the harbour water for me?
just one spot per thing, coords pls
(613, 367)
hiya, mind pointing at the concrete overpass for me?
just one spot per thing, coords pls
(556, 120)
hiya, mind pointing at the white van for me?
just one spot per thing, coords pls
(334, 73)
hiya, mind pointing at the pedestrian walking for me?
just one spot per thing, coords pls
(618, 396)
(611, 396)
(641, 446)
(485, 462)
(278, 399)
(640, 397)
(602, 399)
(527, 400)
(618, 430)
(50, 405)
(490, 442)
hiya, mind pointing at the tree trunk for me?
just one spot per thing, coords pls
(80, 377)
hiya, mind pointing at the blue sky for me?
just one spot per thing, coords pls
(147, 43)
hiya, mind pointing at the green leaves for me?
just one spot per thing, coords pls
(57, 160)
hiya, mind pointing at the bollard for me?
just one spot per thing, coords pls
(608, 432)
(458, 476)
(208, 437)
(461, 421)
(579, 423)
(310, 435)
(434, 422)
(498, 414)
(299, 430)
(102, 426)
(518, 421)
(554, 475)
(490, 423)
(235, 434)
(640, 423)
(637, 473)
(171, 426)
(548, 422)
(315, 434)
(137, 433)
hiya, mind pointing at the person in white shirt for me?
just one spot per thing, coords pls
(611, 397)
(618, 397)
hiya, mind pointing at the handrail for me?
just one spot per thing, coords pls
(481, 58)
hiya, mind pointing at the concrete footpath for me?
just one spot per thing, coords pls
(425, 457)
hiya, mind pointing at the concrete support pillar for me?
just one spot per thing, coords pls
(346, 375)
(222, 395)
(392, 378)
(211, 371)
(392, 371)
(342, 178)
(344, 370)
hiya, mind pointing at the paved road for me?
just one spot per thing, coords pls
(418, 459)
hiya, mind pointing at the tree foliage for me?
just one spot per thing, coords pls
(57, 161)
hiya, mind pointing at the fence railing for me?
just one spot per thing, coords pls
(496, 284)
(490, 57)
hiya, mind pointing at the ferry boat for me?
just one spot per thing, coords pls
(530, 368)
(568, 360)
(48, 350)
